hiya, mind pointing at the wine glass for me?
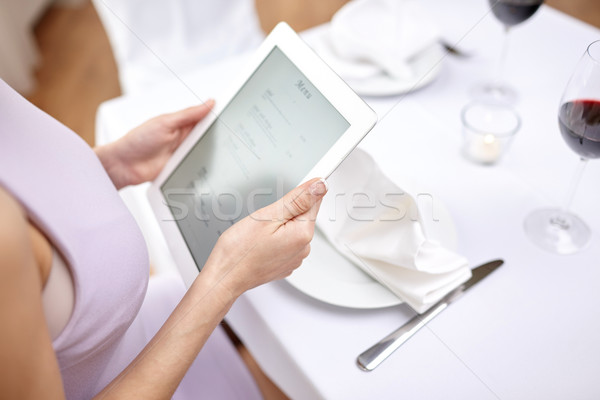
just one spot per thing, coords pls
(510, 13)
(558, 230)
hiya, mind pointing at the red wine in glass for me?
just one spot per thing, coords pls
(579, 123)
(513, 12)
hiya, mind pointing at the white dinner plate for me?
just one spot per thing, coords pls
(425, 66)
(328, 276)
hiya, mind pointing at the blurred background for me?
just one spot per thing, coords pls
(66, 65)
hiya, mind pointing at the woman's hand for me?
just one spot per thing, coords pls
(268, 244)
(140, 155)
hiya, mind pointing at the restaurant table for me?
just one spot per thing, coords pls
(530, 330)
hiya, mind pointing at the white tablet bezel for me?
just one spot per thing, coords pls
(358, 114)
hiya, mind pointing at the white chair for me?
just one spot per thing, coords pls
(154, 40)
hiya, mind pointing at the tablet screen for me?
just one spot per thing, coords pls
(267, 138)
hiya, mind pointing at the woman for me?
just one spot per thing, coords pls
(73, 264)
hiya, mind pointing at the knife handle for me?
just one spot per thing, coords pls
(375, 355)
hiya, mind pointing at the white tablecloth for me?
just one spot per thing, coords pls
(529, 331)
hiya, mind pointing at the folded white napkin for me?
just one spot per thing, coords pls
(371, 36)
(377, 225)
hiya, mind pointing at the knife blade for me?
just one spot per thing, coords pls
(376, 354)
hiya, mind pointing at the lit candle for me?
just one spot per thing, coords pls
(488, 129)
(484, 148)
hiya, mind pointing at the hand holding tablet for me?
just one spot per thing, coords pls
(288, 119)
(268, 244)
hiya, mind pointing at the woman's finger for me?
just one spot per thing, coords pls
(189, 116)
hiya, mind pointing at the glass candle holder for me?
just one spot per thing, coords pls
(488, 129)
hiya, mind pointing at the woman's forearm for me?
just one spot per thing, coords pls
(158, 369)
(112, 164)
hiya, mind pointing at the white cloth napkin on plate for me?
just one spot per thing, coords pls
(374, 36)
(377, 225)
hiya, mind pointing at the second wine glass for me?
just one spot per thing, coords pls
(509, 13)
(558, 230)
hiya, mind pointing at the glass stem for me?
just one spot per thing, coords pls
(561, 220)
(502, 61)
(574, 183)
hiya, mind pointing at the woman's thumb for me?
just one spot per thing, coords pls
(302, 199)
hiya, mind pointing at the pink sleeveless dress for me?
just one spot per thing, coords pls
(60, 182)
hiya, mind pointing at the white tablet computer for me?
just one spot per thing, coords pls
(287, 118)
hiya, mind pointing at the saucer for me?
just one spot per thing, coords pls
(426, 67)
(328, 276)
(369, 80)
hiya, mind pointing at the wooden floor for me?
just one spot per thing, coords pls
(78, 72)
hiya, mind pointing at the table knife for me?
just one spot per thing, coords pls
(371, 358)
